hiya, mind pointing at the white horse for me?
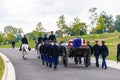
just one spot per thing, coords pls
(25, 49)
(38, 50)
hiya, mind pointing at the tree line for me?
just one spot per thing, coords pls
(99, 23)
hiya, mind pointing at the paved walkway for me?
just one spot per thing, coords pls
(32, 69)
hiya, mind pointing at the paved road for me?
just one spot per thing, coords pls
(32, 69)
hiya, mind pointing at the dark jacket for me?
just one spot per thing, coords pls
(44, 49)
(24, 40)
(40, 39)
(45, 38)
(55, 50)
(49, 50)
(52, 38)
(41, 48)
(96, 50)
(104, 50)
(118, 52)
(91, 48)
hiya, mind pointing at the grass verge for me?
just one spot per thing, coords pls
(2, 66)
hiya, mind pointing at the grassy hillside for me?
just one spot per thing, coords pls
(112, 39)
(1, 68)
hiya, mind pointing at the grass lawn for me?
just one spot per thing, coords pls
(111, 39)
(1, 67)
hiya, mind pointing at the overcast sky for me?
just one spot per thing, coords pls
(27, 13)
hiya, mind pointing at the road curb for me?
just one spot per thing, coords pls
(9, 72)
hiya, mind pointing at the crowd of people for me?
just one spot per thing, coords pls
(98, 51)
(49, 50)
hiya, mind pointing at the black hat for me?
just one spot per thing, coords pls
(96, 41)
(103, 41)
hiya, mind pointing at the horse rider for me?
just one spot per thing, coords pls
(52, 36)
(96, 51)
(45, 38)
(24, 41)
(39, 40)
(104, 53)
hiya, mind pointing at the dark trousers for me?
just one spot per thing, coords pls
(97, 61)
(42, 58)
(104, 65)
(55, 61)
(49, 60)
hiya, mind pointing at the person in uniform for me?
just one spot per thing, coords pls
(24, 41)
(55, 54)
(118, 52)
(91, 51)
(91, 48)
(39, 40)
(13, 44)
(45, 38)
(96, 51)
(52, 37)
(104, 53)
(49, 54)
(42, 52)
(45, 52)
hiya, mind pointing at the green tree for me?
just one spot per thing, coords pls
(11, 33)
(39, 27)
(117, 23)
(78, 28)
(62, 26)
(93, 17)
(1, 38)
(108, 22)
(100, 25)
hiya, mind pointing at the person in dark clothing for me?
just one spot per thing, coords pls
(91, 48)
(39, 40)
(55, 54)
(96, 51)
(49, 54)
(52, 37)
(104, 53)
(45, 38)
(118, 52)
(13, 44)
(42, 52)
(24, 41)
(45, 52)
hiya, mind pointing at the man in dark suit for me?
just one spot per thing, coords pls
(55, 54)
(96, 51)
(49, 53)
(104, 53)
(52, 37)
